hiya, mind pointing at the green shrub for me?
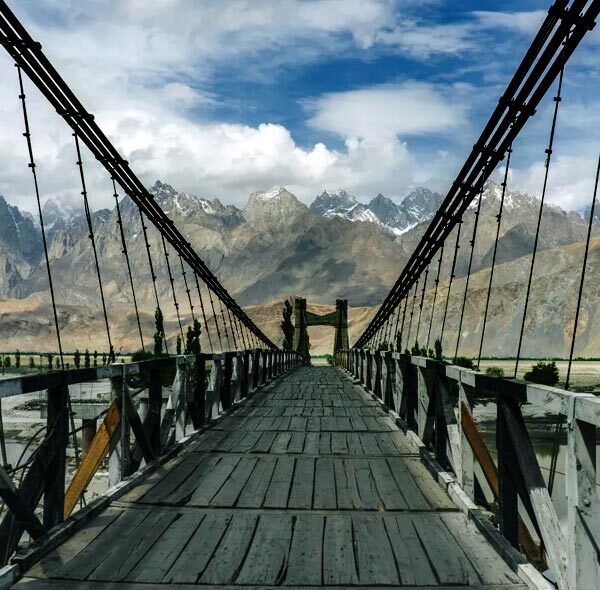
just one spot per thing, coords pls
(463, 361)
(329, 359)
(495, 371)
(543, 373)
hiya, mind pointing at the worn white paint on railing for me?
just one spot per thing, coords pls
(574, 554)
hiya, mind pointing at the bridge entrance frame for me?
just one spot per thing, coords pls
(303, 319)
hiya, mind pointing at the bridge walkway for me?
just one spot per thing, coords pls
(309, 484)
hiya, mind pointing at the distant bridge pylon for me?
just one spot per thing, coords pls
(303, 319)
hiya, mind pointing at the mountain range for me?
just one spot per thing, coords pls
(274, 247)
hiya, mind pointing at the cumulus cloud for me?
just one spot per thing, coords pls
(410, 108)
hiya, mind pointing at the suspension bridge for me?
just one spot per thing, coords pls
(236, 464)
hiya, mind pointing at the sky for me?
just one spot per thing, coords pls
(222, 98)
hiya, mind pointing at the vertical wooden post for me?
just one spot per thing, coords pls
(255, 368)
(507, 497)
(213, 394)
(199, 399)
(378, 373)
(390, 380)
(264, 375)
(369, 382)
(245, 373)
(582, 503)
(181, 395)
(54, 477)
(425, 404)
(154, 408)
(226, 391)
(465, 467)
(119, 445)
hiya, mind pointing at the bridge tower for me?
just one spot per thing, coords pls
(337, 319)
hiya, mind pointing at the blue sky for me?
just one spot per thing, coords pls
(222, 98)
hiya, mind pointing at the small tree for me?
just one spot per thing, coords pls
(159, 334)
(18, 359)
(192, 338)
(7, 362)
(495, 371)
(31, 362)
(543, 373)
(87, 359)
(437, 349)
(178, 345)
(95, 356)
(50, 359)
(103, 358)
(287, 327)
(77, 359)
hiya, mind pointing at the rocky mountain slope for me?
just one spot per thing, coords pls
(274, 247)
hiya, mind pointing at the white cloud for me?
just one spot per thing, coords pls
(410, 108)
(525, 22)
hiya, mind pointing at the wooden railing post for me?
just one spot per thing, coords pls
(507, 490)
(198, 404)
(390, 380)
(426, 407)
(226, 390)
(119, 455)
(369, 380)
(583, 505)
(213, 394)
(154, 408)
(263, 374)
(180, 396)
(255, 369)
(465, 464)
(378, 373)
(245, 373)
(54, 478)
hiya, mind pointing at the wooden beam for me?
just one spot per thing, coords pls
(490, 473)
(90, 463)
(23, 513)
(538, 492)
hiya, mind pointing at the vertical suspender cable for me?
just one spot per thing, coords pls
(88, 216)
(152, 274)
(212, 305)
(421, 306)
(399, 337)
(210, 344)
(494, 254)
(437, 282)
(126, 253)
(27, 136)
(452, 270)
(559, 423)
(412, 312)
(172, 281)
(231, 326)
(464, 303)
(557, 100)
(187, 288)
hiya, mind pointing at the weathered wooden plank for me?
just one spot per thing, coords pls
(339, 567)
(228, 558)
(266, 561)
(301, 494)
(305, 562)
(278, 492)
(194, 558)
(254, 491)
(376, 564)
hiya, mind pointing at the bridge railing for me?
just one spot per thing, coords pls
(176, 396)
(435, 400)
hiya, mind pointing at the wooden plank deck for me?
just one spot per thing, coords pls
(311, 484)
